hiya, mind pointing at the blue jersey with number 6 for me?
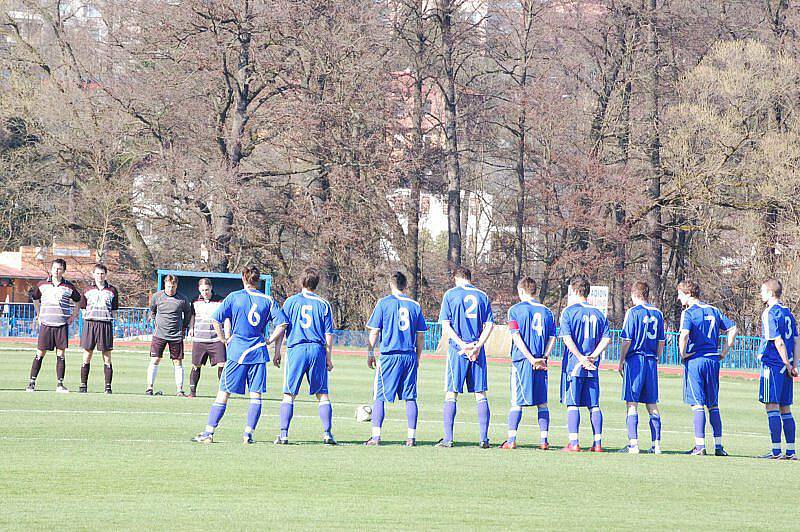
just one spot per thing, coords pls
(250, 313)
(644, 327)
(704, 323)
(310, 319)
(587, 326)
(399, 318)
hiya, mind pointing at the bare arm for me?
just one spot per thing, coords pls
(487, 331)
(517, 339)
(623, 353)
(549, 348)
(780, 347)
(374, 337)
(420, 344)
(277, 336)
(220, 332)
(660, 348)
(598, 351)
(329, 350)
(796, 356)
(448, 332)
(731, 333)
(585, 362)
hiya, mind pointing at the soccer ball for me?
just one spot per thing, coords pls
(363, 413)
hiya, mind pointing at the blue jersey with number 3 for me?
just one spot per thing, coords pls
(250, 313)
(535, 324)
(644, 327)
(310, 319)
(704, 323)
(777, 321)
(399, 318)
(468, 310)
(587, 326)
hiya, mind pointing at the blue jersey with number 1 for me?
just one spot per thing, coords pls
(250, 313)
(399, 318)
(587, 326)
(310, 319)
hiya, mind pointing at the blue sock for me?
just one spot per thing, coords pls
(597, 425)
(715, 420)
(378, 413)
(412, 413)
(215, 415)
(655, 427)
(699, 415)
(287, 411)
(253, 414)
(483, 418)
(544, 423)
(788, 432)
(326, 416)
(774, 421)
(633, 426)
(449, 419)
(514, 418)
(573, 423)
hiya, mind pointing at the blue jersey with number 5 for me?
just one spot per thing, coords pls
(587, 326)
(310, 319)
(250, 313)
(468, 310)
(777, 321)
(644, 327)
(535, 324)
(399, 318)
(704, 323)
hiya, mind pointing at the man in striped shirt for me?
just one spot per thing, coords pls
(99, 303)
(54, 301)
(206, 345)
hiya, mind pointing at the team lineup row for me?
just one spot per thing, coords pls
(231, 333)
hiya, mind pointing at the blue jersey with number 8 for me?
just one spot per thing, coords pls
(399, 318)
(250, 313)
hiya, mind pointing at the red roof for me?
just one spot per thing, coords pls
(27, 273)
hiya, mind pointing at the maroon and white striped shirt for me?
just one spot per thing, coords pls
(99, 303)
(203, 310)
(56, 301)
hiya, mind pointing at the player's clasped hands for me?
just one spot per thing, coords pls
(371, 360)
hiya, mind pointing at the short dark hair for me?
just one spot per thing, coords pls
(310, 278)
(527, 284)
(100, 266)
(641, 289)
(774, 286)
(60, 262)
(581, 286)
(398, 280)
(169, 278)
(205, 281)
(689, 287)
(462, 272)
(251, 275)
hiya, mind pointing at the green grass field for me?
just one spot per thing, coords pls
(125, 461)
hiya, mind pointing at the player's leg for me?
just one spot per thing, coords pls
(256, 376)
(693, 395)
(317, 376)
(234, 380)
(540, 400)
(774, 423)
(294, 367)
(571, 392)
(157, 346)
(649, 396)
(655, 427)
(108, 370)
(45, 342)
(385, 388)
(176, 354)
(632, 421)
(591, 390)
(87, 360)
(36, 366)
(253, 415)
(215, 414)
(517, 394)
(632, 383)
(454, 375)
(61, 369)
(789, 428)
(712, 398)
(477, 384)
(199, 356)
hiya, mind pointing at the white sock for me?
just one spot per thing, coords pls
(634, 442)
(412, 434)
(512, 433)
(152, 371)
(376, 432)
(179, 377)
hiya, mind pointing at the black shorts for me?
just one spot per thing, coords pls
(157, 346)
(213, 351)
(53, 337)
(97, 335)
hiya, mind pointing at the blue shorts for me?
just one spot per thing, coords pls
(640, 381)
(396, 378)
(305, 360)
(460, 369)
(580, 391)
(528, 385)
(701, 381)
(775, 386)
(236, 376)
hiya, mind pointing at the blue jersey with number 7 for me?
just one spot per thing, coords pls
(399, 318)
(704, 323)
(250, 313)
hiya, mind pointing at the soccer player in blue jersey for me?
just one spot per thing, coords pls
(309, 340)
(586, 336)
(467, 320)
(398, 324)
(533, 334)
(249, 312)
(779, 354)
(698, 344)
(643, 340)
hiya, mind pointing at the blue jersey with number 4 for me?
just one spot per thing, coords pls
(399, 318)
(777, 321)
(310, 319)
(644, 327)
(468, 310)
(587, 326)
(535, 324)
(704, 323)
(250, 313)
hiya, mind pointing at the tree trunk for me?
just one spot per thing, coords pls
(654, 227)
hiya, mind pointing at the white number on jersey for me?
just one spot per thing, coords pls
(253, 317)
(590, 326)
(788, 333)
(472, 306)
(713, 321)
(305, 313)
(537, 325)
(405, 322)
(651, 332)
